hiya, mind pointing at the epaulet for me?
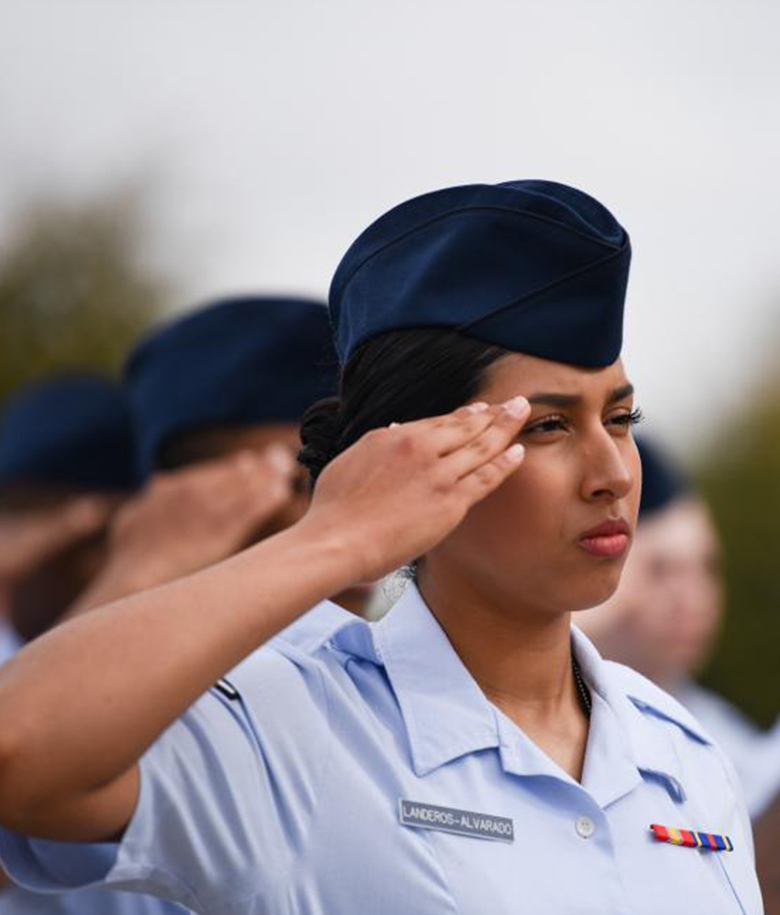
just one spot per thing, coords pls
(651, 700)
(305, 636)
(314, 628)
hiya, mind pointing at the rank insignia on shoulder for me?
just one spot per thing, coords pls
(692, 838)
(226, 688)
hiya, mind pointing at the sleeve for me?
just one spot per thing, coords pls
(226, 799)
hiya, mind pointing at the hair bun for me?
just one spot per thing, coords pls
(321, 429)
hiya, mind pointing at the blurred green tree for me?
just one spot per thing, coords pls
(74, 288)
(740, 478)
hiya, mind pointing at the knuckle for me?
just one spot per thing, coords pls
(481, 446)
(505, 418)
(377, 435)
(459, 422)
(441, 482)
(486, 474)
(405, 443)
(464, 414)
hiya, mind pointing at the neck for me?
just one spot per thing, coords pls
(521, 658)
(519, 655)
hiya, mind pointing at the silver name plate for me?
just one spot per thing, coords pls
(450, 819)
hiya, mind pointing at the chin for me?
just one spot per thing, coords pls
(595, 589)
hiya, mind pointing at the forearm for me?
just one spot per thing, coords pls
(186, 521)
(80, 705)
(95, 692)
(119, 579)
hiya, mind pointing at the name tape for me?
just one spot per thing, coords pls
(451, 819)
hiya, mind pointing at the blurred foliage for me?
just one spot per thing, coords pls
(74, 292)
(740, 478)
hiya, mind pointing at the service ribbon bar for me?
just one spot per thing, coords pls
(692, 838)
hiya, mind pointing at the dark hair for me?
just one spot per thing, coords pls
(398, 376)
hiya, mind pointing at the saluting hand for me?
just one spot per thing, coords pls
(400, 490)
(31, 536)
(188, 519)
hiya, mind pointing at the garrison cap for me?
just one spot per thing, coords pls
(532, 266)
(71, 429)
(663, 482)
(240, 361)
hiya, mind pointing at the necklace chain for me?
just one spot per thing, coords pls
(582, 690)
(583, 693)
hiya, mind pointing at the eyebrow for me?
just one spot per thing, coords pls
(573, 400)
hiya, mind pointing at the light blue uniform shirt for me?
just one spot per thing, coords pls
(17, 900)
(283, 796)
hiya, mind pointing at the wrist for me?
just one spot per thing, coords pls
(333, 545)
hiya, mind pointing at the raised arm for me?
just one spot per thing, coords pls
(186, 520)
(79, 706)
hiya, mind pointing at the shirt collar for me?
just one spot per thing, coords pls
(445, 712)
(651, 749)
(447, 715)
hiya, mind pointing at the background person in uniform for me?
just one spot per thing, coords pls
(473, 710)
(217, 396)
(67, 463)
(665, 616)
(29, 536)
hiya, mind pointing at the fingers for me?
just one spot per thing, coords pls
(275, 461)
(489, 476)
(281, 459)
(273, 470)
(268, 481)
(263, 495)
(449, 433)
(240, 472)
(240, 484)
(444, 433)
(508, 420)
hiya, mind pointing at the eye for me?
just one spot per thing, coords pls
(548, 424)
(628, 419)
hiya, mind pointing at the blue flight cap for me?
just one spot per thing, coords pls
(531, 266)
(72, 429)
(663, 482)
(241, 361)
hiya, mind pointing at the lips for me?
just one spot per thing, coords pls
(607, 541)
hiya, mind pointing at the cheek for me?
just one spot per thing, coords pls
(525, 515)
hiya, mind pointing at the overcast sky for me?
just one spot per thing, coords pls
(276, 130)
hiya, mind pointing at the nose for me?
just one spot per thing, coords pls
(608, 467)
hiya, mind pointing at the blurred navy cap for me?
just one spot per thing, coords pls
(663, 482)
(241, 361)
(532, 266)
(71, 429)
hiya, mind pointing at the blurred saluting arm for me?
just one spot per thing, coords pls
(95, 692)
(186, 520)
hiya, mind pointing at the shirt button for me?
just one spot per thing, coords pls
(585, 827)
